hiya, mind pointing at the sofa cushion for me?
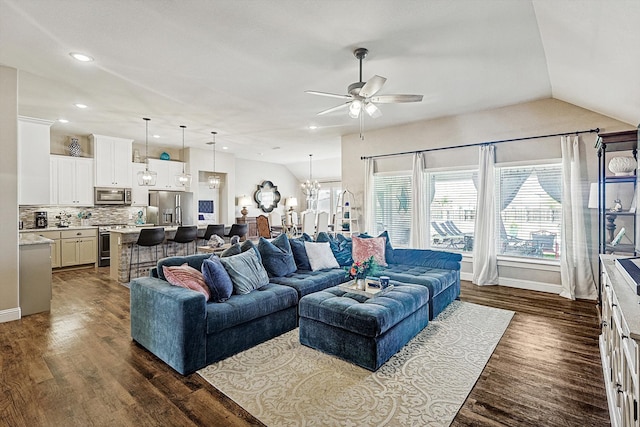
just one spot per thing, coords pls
(389, 254)
(299, 252)
(246, 272)
(306, 282)
(340, 246)
(364, 248)
(243, 308)
(217, 279)
(277, 257)
(194, 261)
(320, 255)
(188, 277)
(435, 279)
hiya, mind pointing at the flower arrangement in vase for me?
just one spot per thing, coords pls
(65, 219)
(84, 217)
(359, 270)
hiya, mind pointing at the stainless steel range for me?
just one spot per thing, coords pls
(104, 242)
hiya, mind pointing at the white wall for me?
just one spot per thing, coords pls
(542, 117)
(9, 296)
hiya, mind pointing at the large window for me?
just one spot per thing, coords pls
(392, 205)
(530, 210)
(452, 209)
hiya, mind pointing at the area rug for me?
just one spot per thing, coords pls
(283, 383)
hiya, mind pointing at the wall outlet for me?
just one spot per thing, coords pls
(130, 215)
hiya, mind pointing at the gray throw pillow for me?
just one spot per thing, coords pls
(246, 272)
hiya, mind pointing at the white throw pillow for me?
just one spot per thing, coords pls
(320, 255)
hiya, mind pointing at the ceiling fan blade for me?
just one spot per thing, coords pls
(373, 85)
(332, 95)
(332, 109)
(396, 99)
(372, 110)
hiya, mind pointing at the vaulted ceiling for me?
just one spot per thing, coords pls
(241, 67)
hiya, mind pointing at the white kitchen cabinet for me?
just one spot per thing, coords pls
(75, 180)
(112, 161)
(34, 146)
(139, 193)
(78, 247)
(53, 180)
(167, 171)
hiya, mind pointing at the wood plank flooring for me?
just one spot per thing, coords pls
(77, 366)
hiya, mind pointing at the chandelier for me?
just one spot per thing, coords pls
(146, 177)
(214, 180)
(310, 187)
(184, 179)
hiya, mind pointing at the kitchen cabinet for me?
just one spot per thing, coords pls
(35, 278)
(78, 247)
(34, 147)
(167, 171)
(55, 246)
(139, 193)
(112, 161)
(74, 176)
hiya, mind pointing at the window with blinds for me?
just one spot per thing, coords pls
(392, 207)
(452, 209)
(530, 210)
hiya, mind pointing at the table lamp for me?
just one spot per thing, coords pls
(291, 203)
(244, 201)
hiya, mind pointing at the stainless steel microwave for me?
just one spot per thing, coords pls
(112, 196)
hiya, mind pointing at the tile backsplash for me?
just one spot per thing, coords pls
(99, 214)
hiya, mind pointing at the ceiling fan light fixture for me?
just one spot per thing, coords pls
(354, 108)
(372, 110)
(146, 177)
(184, 179)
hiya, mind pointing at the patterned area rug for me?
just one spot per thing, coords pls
(283, 383)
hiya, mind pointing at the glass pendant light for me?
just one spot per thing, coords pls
(146, 177)
(214, 180)
(310, 187)
(184, 179)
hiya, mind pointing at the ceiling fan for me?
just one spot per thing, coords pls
(361, 94)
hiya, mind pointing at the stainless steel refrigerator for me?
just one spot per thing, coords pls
(170, 208)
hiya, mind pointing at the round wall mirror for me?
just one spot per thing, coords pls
(267, 196)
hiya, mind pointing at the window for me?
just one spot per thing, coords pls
(452, 209)
(530, 210)
(392, 206)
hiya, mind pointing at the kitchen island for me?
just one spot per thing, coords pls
(35, 273)
(123, 239)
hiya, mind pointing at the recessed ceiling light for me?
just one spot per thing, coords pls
(63, 120)
(313, 127)
(81, 57)
(225, 148)
(156, 136)
(80, 105)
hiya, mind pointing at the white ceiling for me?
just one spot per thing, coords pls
(241, 67)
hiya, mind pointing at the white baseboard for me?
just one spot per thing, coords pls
(10, 315)
(521, 284)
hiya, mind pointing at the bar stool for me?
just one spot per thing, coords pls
(239, 230)
(149, 237)
(217, 229)
(185, 234)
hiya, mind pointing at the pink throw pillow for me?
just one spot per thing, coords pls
(365, 248)
(188, 277)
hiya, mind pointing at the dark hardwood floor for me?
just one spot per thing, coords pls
(77, 366)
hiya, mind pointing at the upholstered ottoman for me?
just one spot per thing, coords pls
(366, 332)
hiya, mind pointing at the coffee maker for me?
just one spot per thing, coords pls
(41, 219)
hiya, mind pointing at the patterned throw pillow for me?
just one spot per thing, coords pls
(388, 250)
(320, 255)
(217, 279)
(363, 248)
(246, 272)
(188, 277)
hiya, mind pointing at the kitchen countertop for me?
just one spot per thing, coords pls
(33, 239)
(39, 230)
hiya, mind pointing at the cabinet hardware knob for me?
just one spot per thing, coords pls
(624, 337)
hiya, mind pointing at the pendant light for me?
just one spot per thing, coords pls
(146, 177)
(310, 187)
(214, 180)
(184, 179)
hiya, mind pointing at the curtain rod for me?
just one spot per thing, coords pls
(477, 144)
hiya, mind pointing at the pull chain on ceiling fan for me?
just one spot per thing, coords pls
(361, 95)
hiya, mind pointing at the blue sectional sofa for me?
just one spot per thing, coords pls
(188, 333)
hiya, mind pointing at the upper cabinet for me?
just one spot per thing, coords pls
(167, 171)
(74, 178)
(33, 161)
(112, 161)
(139, 193)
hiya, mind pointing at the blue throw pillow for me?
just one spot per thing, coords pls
(238, 248)
(217, 279)
(341, 248)
(246, 272)
(388, 249)
(277, 257)
(299, 252)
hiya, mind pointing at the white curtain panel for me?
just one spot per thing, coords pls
(419, 220)
(485, 260)
(575, 264)
(369, 218)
